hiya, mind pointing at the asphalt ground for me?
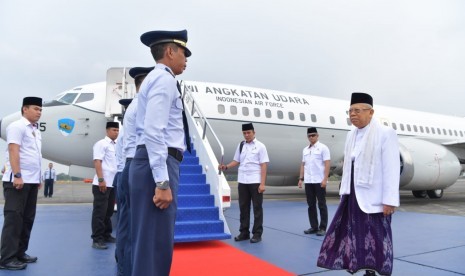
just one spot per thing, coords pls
(452, 202)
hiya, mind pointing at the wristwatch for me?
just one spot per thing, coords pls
(301, 178)
(101, 180)
(163, 185)
(17, 175)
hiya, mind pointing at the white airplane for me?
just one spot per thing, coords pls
(432, 145)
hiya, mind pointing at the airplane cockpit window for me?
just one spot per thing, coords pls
(245, 111)
(332, 120)
(291, 115)
(394, 126)
(68, 98)
(302, 117)
(221, 109)
(267, 113)
(280, 114)
(233, 109)
(256, 112)
(85, 97)
(313, 117)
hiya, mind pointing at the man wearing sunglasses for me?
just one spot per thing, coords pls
(314, 172)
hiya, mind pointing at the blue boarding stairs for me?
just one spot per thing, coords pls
(203, 192)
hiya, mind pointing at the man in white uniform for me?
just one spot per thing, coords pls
(252, 158)
(102, 187)
(49, 177)
(314, 172)
(21, 181)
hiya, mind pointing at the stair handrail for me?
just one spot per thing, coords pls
(196, 109)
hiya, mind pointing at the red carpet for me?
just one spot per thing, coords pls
(218, 258)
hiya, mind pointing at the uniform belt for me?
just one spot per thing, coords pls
(177, 154)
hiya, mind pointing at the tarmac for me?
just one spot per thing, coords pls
(428, 233)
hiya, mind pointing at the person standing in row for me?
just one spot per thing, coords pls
(21, 182)
(314, 172)
(252, 158)
(360, 235)
(123, 233)
(102, 187)
(49, 178)
(162, 138)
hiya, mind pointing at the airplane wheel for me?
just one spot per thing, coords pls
(435, 193)
(419, 194)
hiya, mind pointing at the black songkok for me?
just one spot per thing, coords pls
(248, 126)
(358, 97)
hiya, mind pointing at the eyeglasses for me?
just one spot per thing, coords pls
(358, 110)
(312, 135)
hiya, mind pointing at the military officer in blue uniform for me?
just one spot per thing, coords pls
(127, 141)
(162, 138)
(21, 181)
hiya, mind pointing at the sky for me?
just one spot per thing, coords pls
(408, 54)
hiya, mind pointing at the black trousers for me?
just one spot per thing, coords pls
(48, 187)
(19, 213)
(247, 193)
(314, 192)
(104, 204)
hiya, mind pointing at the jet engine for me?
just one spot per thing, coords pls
(426, 166)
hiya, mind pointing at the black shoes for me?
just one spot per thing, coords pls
(241, 238)
(13, 265)
(110, 239)
(311, 231)
(369, 273)
(256, 239)
(27, 259)
(99, 245)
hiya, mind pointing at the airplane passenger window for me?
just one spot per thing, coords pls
(291, 115)
(221, 109)
(433, 131)
(233, 109)
(450, 132)
(427, 129)
(402, 127)
(280, 114)
(245, 111)
(85, 97)
(302, 117)
(256, 112)
(444, 131)
(349, 123)
(313, 116)
(421, 129)
(68, 98)
(331, 120)
(455, 132)
(415, 128)
(439, 130)
(267, 113)
(385, 123)
(461, 134)
(409, 128)
(394, 126)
